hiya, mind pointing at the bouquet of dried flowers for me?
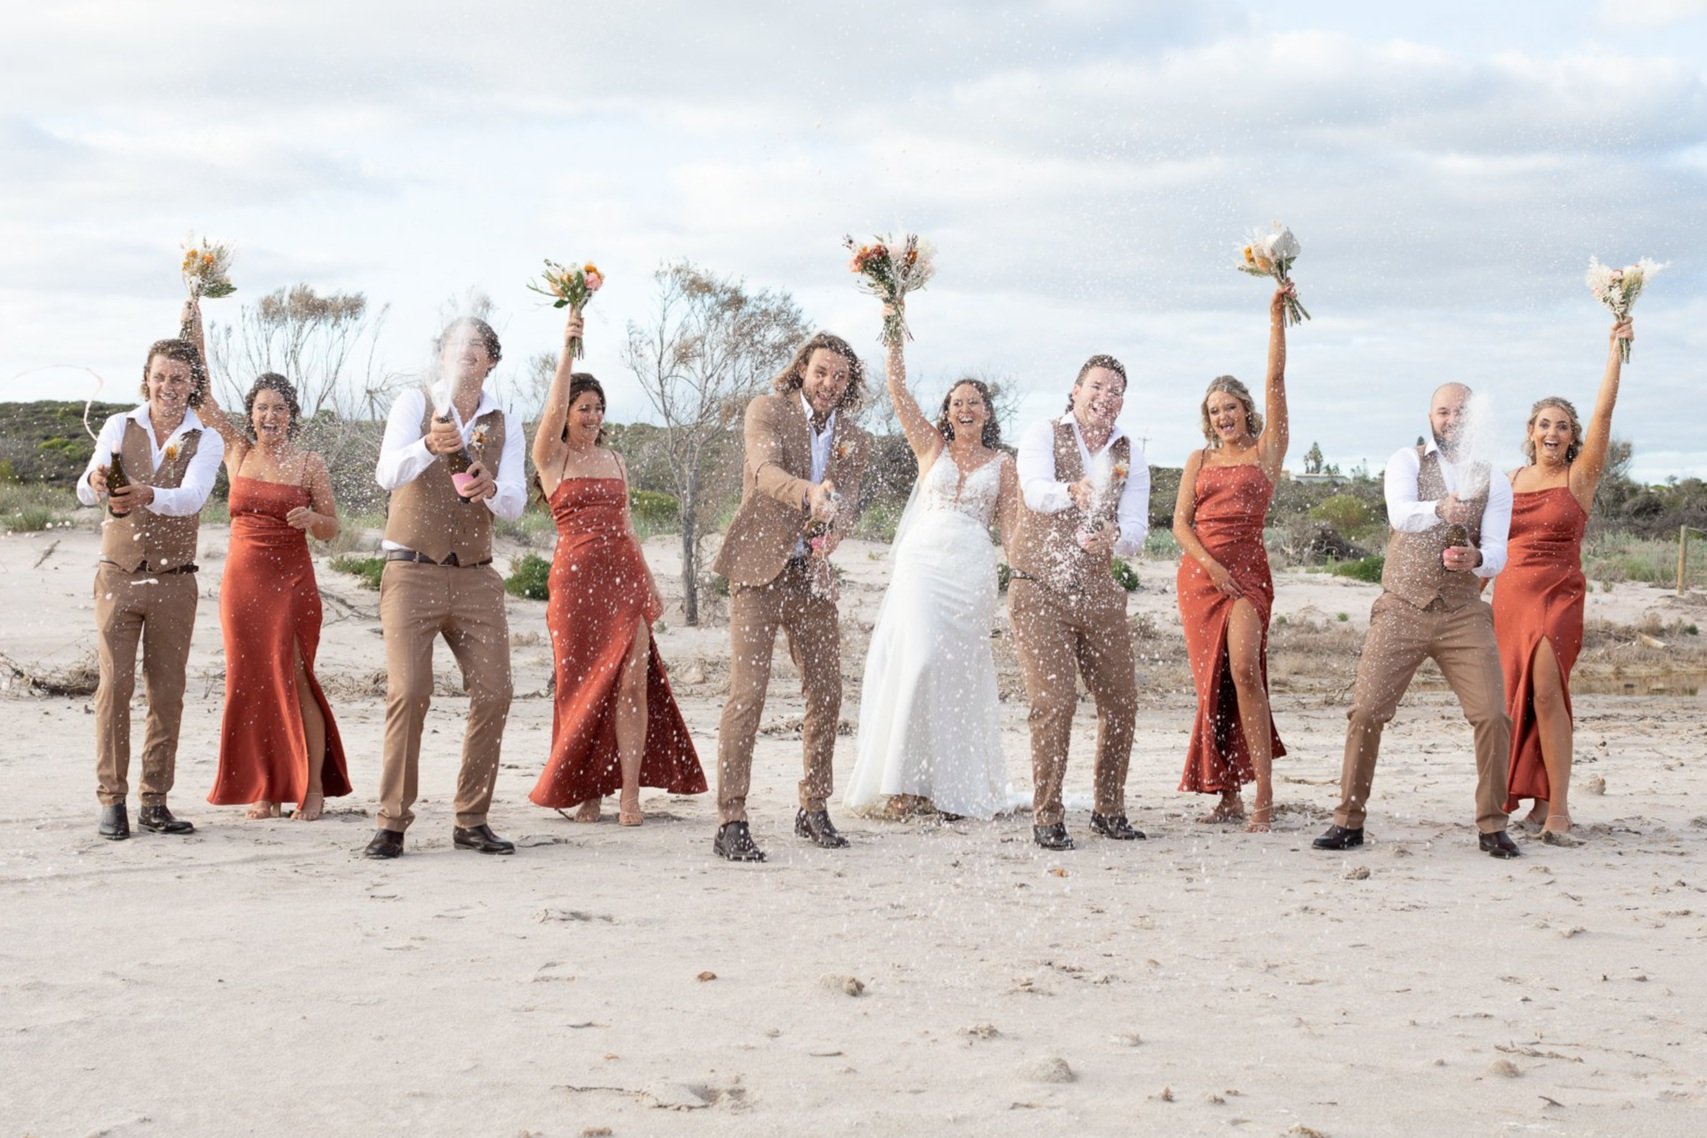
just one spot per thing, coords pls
(889, 269)
(1270, 254)
(1619, 288)
(207, 269)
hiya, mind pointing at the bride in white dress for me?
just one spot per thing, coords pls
(929, 738)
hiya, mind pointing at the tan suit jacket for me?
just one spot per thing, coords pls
(775, 479)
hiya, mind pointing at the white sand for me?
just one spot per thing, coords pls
(263, 978)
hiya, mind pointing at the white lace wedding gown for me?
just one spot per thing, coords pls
(928, 715)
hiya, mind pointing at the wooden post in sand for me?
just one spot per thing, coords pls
(1682, 557)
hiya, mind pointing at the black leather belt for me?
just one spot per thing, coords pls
(144, 567)
(450, 561)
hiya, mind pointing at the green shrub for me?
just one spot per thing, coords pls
(1363, 569)
(1344, 512)
(1124, 575)
(529, 577)
(1004, 575)
(654, 512)
(29, 519)
(8, 472)
(365, 569)
(878, 521)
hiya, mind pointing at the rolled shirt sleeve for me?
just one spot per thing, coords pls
(112, 434)
(190, 494)
(1399, 485)
(512, 496)
(1133, 512)
(403, 452)
(1036, 468)
(1496, 527)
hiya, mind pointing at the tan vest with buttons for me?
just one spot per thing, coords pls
(142, 536)
(425, 514)
(1414, 571)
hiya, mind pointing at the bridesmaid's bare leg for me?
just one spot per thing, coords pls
(314, 734)
(631, 723)
(262, 809)
(1553, 726)
(1244, 661)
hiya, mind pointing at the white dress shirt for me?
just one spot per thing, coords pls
(1045, 494)
(180, 501)
(820, 455)
(404, 457)
(1407, 514)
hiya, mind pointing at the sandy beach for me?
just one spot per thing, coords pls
(262, 978)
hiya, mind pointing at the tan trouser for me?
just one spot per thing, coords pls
(815, 643)
(417, 604)
(1057, 635)
(160, 612)
(1461, 642)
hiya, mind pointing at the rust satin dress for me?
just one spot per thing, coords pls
(599, 589)
(269, 607)
(1231, 503)
(1538, 594)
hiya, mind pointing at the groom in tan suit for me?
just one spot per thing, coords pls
(1087, 494)
(800, 479)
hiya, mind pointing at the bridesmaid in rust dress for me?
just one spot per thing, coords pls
(1225, 590)
(278, 742)
(615, 725)
(1538, 597)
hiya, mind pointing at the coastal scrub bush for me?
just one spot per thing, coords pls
(1363, 569)
(529, 576)
(365, 569)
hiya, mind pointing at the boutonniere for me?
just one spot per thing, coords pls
(843, 449)
(479, 438)
(1120, 469)
(171, 452)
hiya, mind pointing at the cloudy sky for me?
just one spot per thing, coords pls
(1085, 167)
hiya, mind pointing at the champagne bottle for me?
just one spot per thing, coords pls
(117, 479)
(459, 461)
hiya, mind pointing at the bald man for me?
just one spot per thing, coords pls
(1444, 537)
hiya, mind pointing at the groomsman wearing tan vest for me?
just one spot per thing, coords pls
(1087, 497)
(1449, 522)
(145, 585)
(439, 579)
(799, 481)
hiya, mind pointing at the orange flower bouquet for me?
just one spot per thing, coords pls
(571, 287)
(889, 269)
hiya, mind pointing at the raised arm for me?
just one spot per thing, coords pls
(1597, 436)
(921, 433)
(1277, 430)
(1185, 529)
(210, 412)
(548, 436)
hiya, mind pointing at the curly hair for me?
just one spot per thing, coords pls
(1575, 446)
(1230, 386)
(1101, 359)
(480, 328)
(992, 436)
(792, 376)
(272, 381)
(184, 352)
